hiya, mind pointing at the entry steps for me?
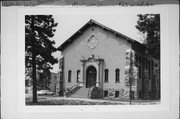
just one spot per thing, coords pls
(81, 93)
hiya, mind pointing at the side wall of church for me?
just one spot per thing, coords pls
(147, 76)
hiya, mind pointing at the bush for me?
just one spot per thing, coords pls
(96, 93)
(61, 93)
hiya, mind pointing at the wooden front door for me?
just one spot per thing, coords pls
(91, 77)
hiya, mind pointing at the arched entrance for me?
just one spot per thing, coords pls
(91, 74)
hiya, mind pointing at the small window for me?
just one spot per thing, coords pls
(139, 71)
(105, 93)
(117, 75)
(106, 75)
(69, 76)
(116, 94)
(136, 58)
(78, 75)
(140, 94)
(140, 59)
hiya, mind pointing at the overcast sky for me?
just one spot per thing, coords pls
(70, 20)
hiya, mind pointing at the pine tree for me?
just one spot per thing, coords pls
(149, 24)
(39, 29)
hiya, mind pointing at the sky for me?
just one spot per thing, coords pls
(71, 20)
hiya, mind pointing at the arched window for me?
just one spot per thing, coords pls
(69, 76)
(106, 75)
(78, 75)
(117, 75)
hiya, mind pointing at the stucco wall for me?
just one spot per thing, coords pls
(110, 47)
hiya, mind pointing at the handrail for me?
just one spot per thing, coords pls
(73, 87)
(70, 89)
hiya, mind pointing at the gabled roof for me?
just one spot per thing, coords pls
(90, 23)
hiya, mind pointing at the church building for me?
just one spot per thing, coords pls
(98, 56)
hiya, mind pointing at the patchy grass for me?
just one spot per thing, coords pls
(56, 100)
(70, 102)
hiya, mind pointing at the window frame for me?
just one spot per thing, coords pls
(78, 76)
(140, 72)
(105, 93)
(117, 75)
(69, 76)
(106, 76)
(116, 94)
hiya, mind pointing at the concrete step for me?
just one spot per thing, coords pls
(81, 93)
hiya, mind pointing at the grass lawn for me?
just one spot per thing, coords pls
(49, 100)
(70, 102)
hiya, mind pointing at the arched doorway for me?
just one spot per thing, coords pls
(91, 76)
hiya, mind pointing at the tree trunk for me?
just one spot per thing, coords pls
(34, 78)
(34, 66)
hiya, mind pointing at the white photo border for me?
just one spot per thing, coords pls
(164, 109)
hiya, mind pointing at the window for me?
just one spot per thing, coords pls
(69, 76)
(106, 75)
(140, 59)
(78, 75)
(140, 94)
(136, 60)
(117, 75)
(139, 71)
(105, 93)
(116, 94)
